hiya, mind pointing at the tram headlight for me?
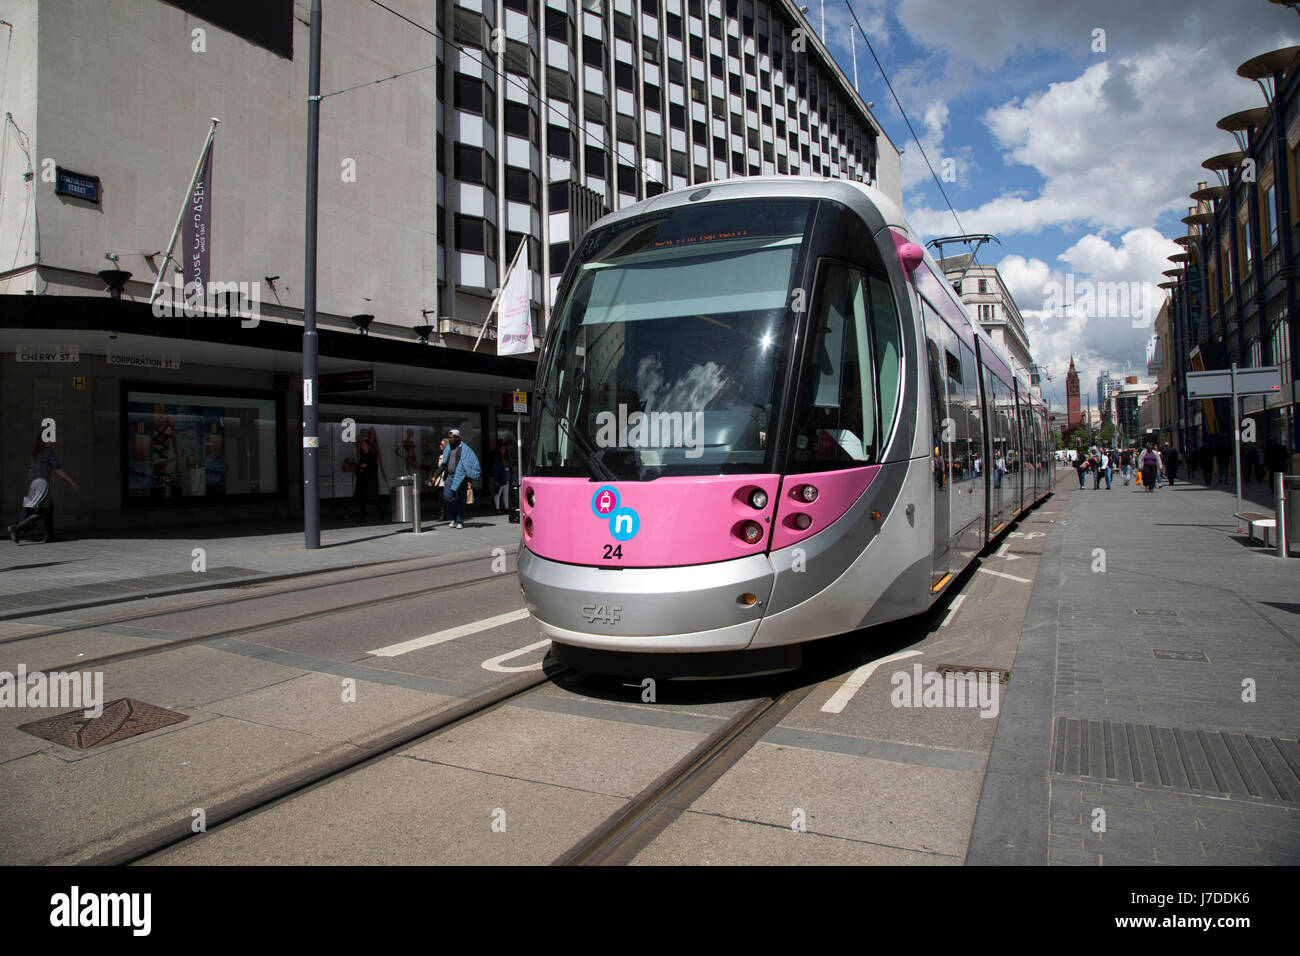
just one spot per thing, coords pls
(751, 532)
(802, 521)
(807, 493)
(528, 495)
(758, 499)
(528, 527)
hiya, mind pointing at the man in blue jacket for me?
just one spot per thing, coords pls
(460, 465)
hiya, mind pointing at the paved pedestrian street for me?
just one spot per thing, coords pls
(1148, 714)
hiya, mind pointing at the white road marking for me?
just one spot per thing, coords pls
(1000, 574)
(450, 634)
(495, 664)
(952, 609)
(1002, 553)
(859, 677)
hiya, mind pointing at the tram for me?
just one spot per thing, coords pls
(763, 417)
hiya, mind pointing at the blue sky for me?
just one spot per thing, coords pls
(1080, 160)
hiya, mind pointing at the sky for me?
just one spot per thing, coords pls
(1075, 133)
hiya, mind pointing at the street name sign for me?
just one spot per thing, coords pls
(1250, 381)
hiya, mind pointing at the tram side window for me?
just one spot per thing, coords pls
(837, 420)
(970, 372)
(888, 338)
(957, 423)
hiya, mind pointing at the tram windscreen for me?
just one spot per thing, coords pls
(670, 342)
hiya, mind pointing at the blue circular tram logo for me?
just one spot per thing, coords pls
(624, 523)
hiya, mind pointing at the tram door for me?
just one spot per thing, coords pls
(940, 452)
(997, 463)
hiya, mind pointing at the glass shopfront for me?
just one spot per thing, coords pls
(406, 440)
(189, 446)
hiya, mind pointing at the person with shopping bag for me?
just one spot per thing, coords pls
(460, 465)
(38, 502)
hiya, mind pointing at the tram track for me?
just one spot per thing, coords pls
(269, 795)
(614, 842)
(223, 602)
(631, 829)
(165, 646)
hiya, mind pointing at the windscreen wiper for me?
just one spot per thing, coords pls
(597, 469)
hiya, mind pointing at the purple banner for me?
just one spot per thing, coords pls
(196, 234)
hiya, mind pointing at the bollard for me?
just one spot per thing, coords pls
(415, 503)
(1279, 493)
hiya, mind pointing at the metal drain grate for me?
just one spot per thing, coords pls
(963, 670)
(122, 718)
(1181, 759)
(1155, 611)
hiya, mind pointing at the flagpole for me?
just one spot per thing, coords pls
(180, 217)
(853, 42)
(505, 280)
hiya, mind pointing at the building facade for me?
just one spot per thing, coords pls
(499, 128)
(985, 294)
(1233, 289)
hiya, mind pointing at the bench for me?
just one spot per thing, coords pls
(1253, 518)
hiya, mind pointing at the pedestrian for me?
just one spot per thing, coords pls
(438, 479)
(1275, 459)
(1222, 454)
(501, 478)
(38, 503)
(1205, 455)
(1081, 468)
(462, 467)
(1171, 463)
(1249, 461)
(1150, 462)
(366, 489)
(1126, 463)
(1108, 464)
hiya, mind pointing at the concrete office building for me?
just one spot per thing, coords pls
(532, 122)
(985, 294)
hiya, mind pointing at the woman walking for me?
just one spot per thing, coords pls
(38, 503)
(1150, 462)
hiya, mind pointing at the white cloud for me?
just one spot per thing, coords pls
(1097, 340)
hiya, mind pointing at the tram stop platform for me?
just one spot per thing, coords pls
(1152, 712)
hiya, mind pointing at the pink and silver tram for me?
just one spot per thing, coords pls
(762, 418)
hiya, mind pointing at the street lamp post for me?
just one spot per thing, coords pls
(310, 420)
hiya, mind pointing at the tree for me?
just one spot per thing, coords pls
(1108, 432)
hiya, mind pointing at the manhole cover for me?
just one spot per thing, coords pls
(121, 719)
(1195, 656)
(1156, 611)
(964, 670)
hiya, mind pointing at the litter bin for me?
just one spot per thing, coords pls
(403, 492)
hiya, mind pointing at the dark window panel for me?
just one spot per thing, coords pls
(557, 142)
(559, 257)
(470, 234)
(559, 196)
